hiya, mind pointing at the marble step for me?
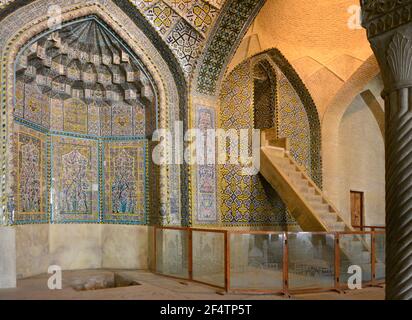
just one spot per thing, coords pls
(313, 197)
(288, 171)
(297, 176)
(277, 153)
(297, 182)
(306, 190)
(319, 206)
(294, 176)
(337, 226)
(281, 160)
(328, 219)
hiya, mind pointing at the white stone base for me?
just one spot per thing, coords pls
(7, 257)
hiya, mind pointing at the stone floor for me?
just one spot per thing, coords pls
(150, 286)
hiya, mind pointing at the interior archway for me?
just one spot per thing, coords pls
(293, 114)
(359, 154)
(332, 119)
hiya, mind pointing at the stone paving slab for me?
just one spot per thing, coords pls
(153, 287)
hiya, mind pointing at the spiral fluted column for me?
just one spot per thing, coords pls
(398, 195)
(389, 26)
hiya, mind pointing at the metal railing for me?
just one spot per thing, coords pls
(270, 262)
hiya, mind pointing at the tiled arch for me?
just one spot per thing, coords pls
(248, 200)
(229, 30)
(32, 20)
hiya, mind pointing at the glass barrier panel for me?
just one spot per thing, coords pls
(256, 261)
(208, 254)
(355, 250)
(172, 252)
(380, 256)
(311, 260)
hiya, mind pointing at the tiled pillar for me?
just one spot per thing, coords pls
(389, 26)
(7, 257)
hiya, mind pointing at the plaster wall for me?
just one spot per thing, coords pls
(7, 257)
(361, 163)
(80, 246)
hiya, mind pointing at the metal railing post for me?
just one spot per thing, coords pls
(155, 249)
(337, 262)
(285, 264)
(227, 261)
(285, 287)
(373, 258)
(190, 253)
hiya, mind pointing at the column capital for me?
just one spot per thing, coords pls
(380, 16)
(389, 27)
(393, 51)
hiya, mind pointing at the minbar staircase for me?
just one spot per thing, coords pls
(306, 202)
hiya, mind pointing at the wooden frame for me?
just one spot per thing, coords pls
(372, 282)
(155, 249)
(337, 263)
(375, 282)
(362, 215)
(313, 289)
(282, 291)
(285, 290)
(225, 258)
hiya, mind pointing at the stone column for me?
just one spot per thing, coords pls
(389, 27)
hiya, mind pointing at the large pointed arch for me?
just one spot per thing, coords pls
(168, 79)
(278, 60)
(229, 30)
(333, 116)
(296, 118)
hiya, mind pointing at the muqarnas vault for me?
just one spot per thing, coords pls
(84, 109)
